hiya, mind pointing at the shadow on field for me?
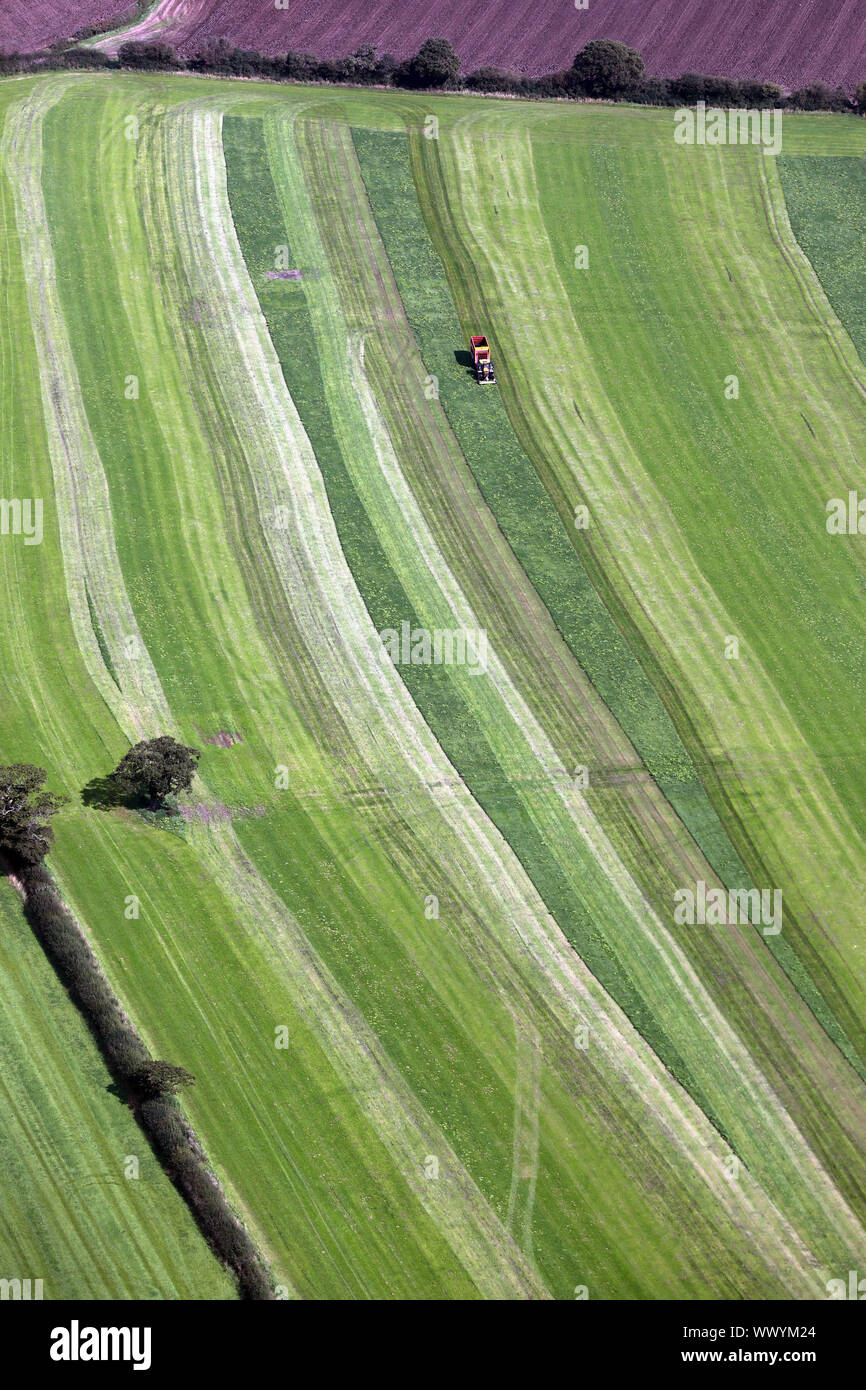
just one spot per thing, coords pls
(465, 360)
(101, 794)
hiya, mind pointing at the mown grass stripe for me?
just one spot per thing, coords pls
(256, 262)
(449, 716)
(330, 217)
(422, 281)
(73, 1214)
(524, 273)
(521, 504)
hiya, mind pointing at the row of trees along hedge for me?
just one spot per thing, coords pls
(152, 771)
(603, 70)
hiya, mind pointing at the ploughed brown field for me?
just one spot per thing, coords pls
(786, 41)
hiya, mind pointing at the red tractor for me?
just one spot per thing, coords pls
(481, 359)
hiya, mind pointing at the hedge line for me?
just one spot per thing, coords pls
(367, 68)
(162, 1119)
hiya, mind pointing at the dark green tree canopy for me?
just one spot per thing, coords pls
(434, 65)
(25, 808)
(492, 79)
(160, 1079)
(156, 768)
(607, 69)
(134, 54)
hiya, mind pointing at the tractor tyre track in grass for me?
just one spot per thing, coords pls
(330, 219)
(304, 907)
(533, 529)
(584, 461)
(72, 1215)
(486, 1265)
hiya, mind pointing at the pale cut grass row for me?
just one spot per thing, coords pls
(324, 563)
(701, 1033)
(495, 1278)
(598, 463)
(81, 491)
(195, 171)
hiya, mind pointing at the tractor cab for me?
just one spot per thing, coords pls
(481, 359)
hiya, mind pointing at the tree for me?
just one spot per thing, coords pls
(300, 67)
(85, 58)
(434, 65)
(815, 96)
(156, 768)
(133, 54)
(160, 1079)
(363, 65)
(492, 79)
(607, 69)
(24, 811)
(760, 94)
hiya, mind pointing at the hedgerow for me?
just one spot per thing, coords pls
(435, 68)
(126, 1054)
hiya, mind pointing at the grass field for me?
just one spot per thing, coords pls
(743, 538)
(86, 1208)
(820, 194)
(247, 479)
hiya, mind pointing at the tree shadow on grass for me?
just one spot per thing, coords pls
(103, 794)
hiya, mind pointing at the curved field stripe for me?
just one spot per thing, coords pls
(70, 1215)
(819, 194)
(142, 1240)
(332, 218)
(735, 969)
(562, 814)
(93, 578)
(305, 485)
(492, 1276)
(596, 459)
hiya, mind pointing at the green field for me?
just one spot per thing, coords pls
(86, 1208)
(509, 1073)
